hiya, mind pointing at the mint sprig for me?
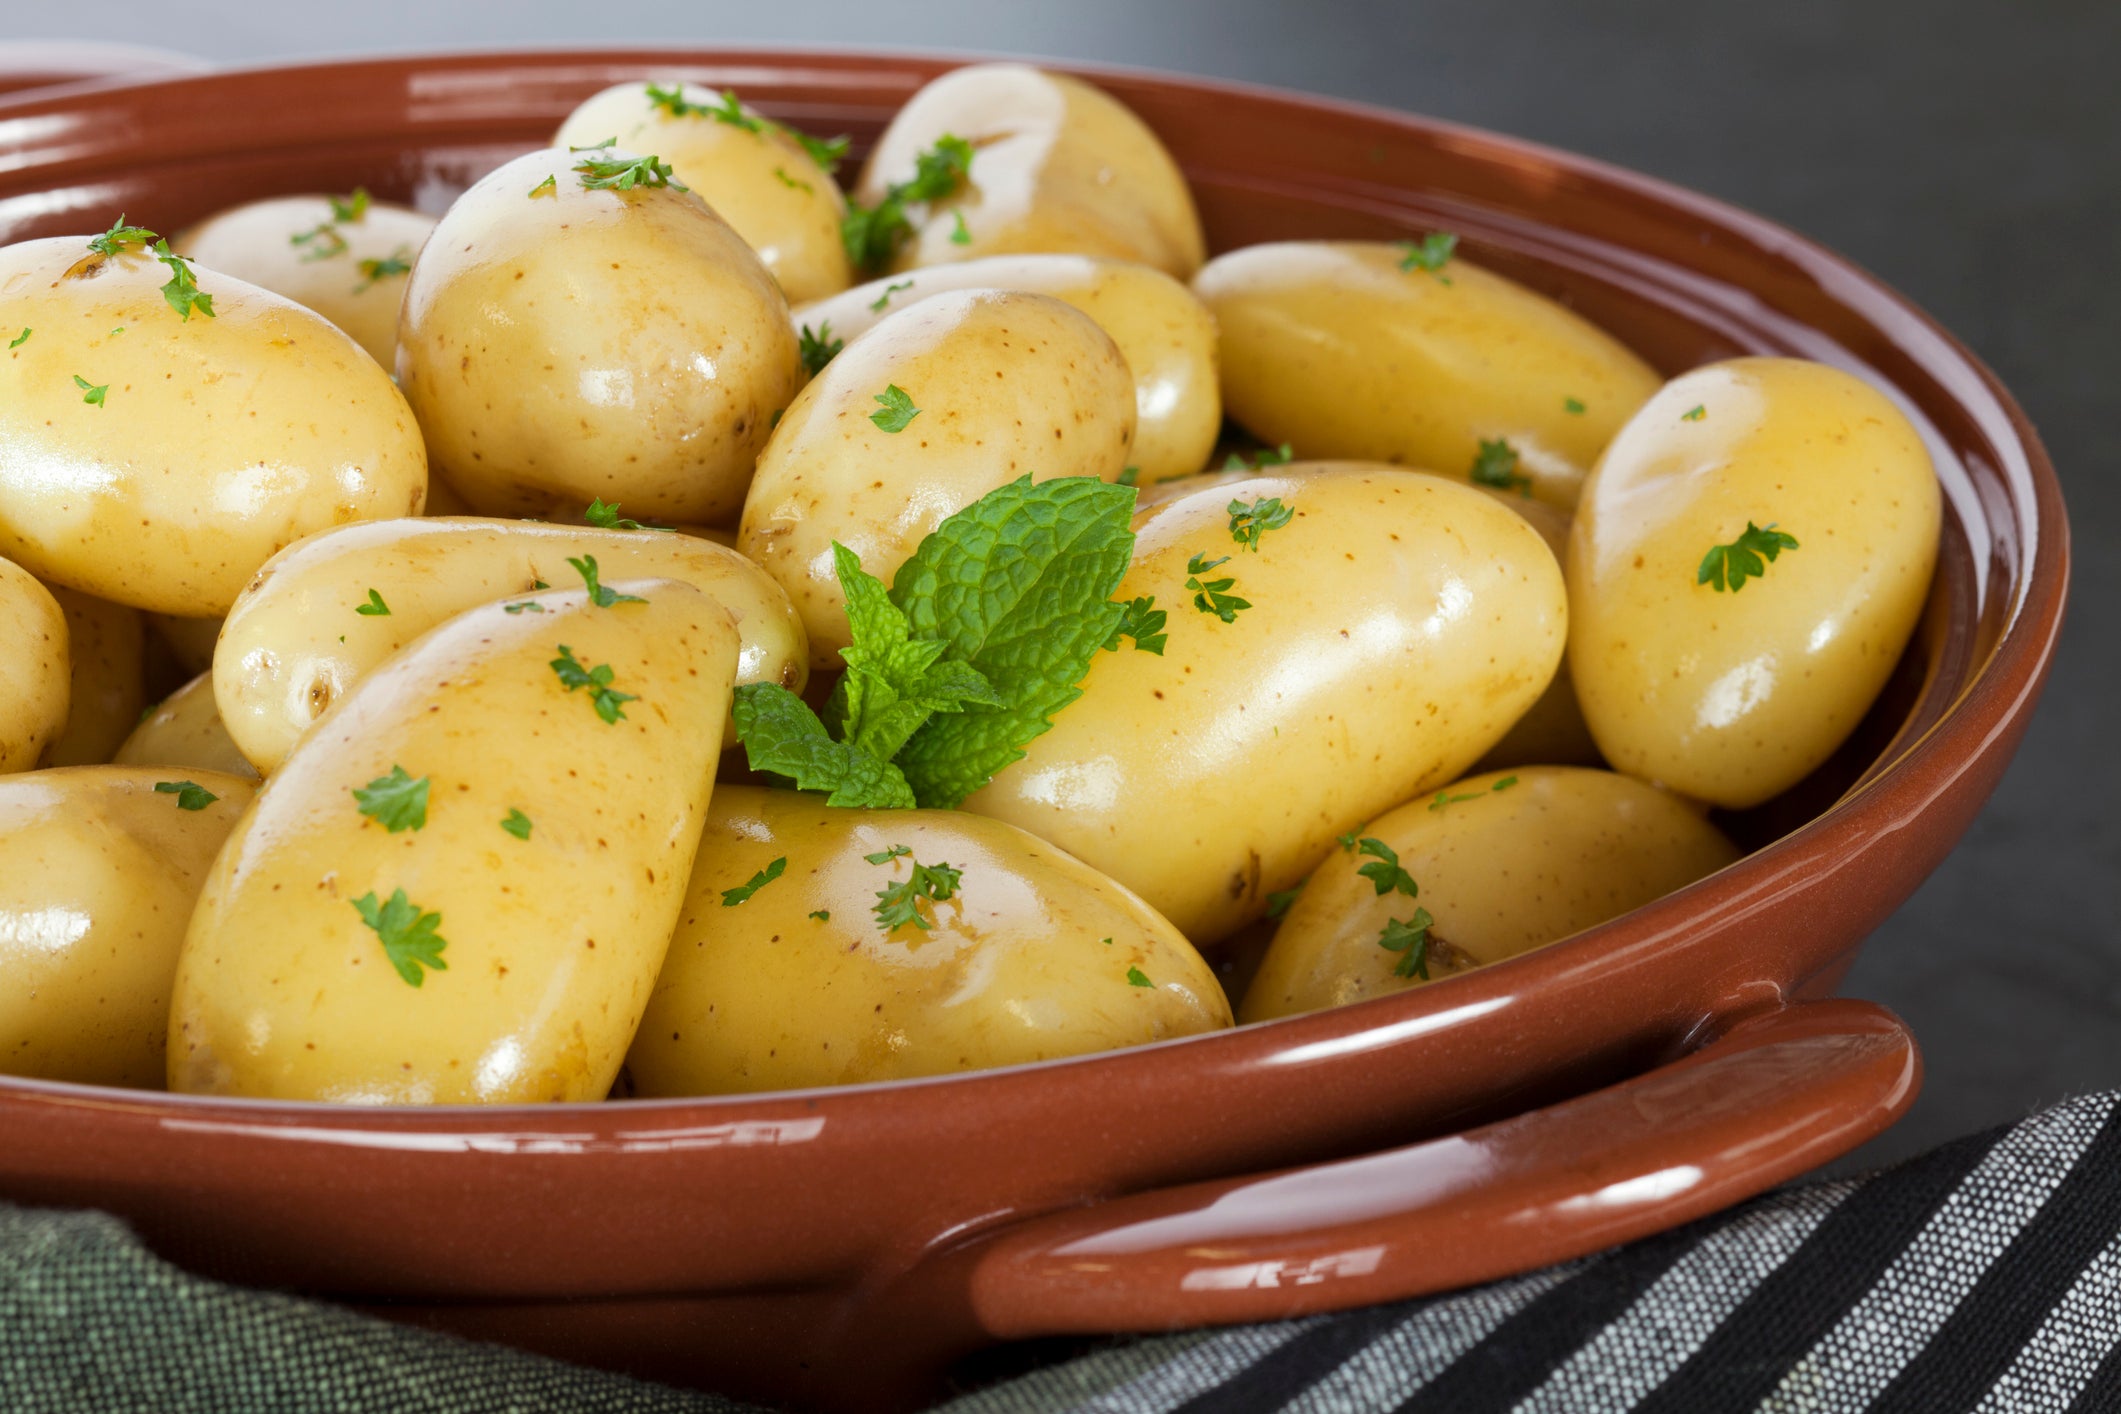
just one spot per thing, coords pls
(781, 735)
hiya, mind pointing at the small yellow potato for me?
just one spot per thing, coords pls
(346, 257)
(1034, 955)
(1333, 348)
(98, 873)
(210, 443)
(306, 631)
(1552, 730)
(440, 955)
(1504, 862)
(1057, 166)
(562, 343)
(191, 641)
(1005, 384)
(1398, 624)
(107, 660)
(35, 677)
(442, 500)
(1163, 331)
(185, 730)
(1734, 694)
(755, 175)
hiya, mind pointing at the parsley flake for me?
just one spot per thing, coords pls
(792, 183)
(1410, 939)
(1144, 623)
(517, 823)
(1250, 520)
(190, 794)
(1347, 841)
(899, 904)
(121, 238)
(1572, 406)
(375, 608)
(182, 291)
(396, 801)
(1210, 597)
(1745, 558)
(1431, 253)
(1384, 870)
(889, 290)
(21, 338)
(549, 187)
(1695, 413)
(572, 675)
(885, 856)
(1496, 465)
(91, 393)
(398, 262)
(408, 935)
(1279, 901)
(606, 517)
(1138, 978)
(822, 915)
(1259, 461)
(1131, 476)
(600, 596)
(523, 605)
(624, 174)
(732, 897)
(897, 409)
(873, 234)
(820, 348)
(960, 234)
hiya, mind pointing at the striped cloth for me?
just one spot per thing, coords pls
(1984, 1276)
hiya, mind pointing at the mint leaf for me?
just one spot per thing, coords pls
(783, 736)
(894, 683)
(1019, 583)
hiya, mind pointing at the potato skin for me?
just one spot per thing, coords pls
(1059, 166)
(255, 242)
(1399, 624)
(1007, 384)
(1331, 347)
(1552, 731)
(35, 673)
(1736, 697)
(1163, 332)
(294, 643)
(184, 731)
(98, 873)
(553, 942)
(219, 440)
(593, 343)
(761, 181)
(106, 654)
(1558, 851)
(1027, 962)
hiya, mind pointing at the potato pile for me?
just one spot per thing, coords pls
(676, 624)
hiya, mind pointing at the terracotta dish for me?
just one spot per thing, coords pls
(838, 1248)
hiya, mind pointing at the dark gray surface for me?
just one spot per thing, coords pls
(1968, 153)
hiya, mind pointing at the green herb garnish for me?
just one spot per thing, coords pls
(1572, 406)
(398, 262)
(872, 234)
(91, 393)
(1431, 253)
(1496, 465)
(600, 596)
(889, 290)
(517, 823)
(1129, 477)
(1384, 871)
(408, 935)
(1250, 520)
(182, 291)
(886, 855)
(1745, 558)
(899, 904)
(1279, 901)
(1260, 460)
(1410, 939)
(21, 338)
(1695, 413)
(190, 794)
(121, 238)
(1138, 978)
(819, 349)
(375, 608)
(550, 186)
(897, 409)
(742, 892)
(598, 680)
(1210, 597)
(396, 801)
(607, 517)
(823, 915)
(960, 234)
(624, 174)
(1144, 623)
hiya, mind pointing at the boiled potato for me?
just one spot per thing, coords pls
(454, 959)
(1552, 730)
(562, 343)
(298, 639)
(1162, 331)
(1504, 863)
(1332, 347)
(211, 441)
(185, 729)
(1033, 955)
(346, 257)
(98, 872)
(105, 651)
(1734, 695)
(1398, 624)
(1057, 166)
(35, 677)
(1004, 384)
(755, 175)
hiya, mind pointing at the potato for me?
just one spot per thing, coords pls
(35, 678)
(305, 975)
(1057, 166)
(1162, 331)
(1333, 348)
(297, 640)
(1034, 955)
(1735, 695)
(98, 871)
(1398, 624)
(1504, 863)
(753, 173)
(191, 641)
(1552, 730)
(1006, 384)
(185, 730)
(107, 659)
(211, 443)
(562, 343)
(352, 271)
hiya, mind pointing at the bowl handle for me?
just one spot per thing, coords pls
(1774, 1096)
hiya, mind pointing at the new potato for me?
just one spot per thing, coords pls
(548, 945)
(215, 440)
(1554, 851)
(1332, 347)
(1163, 332)
(35, 673)
(1006, 384)
(755, 176)
(184, 730)
(98, 873)
(562, 343)
(1029, 959)
(107, 661)
(1399, 623)
(1734, 696)
(295, 643)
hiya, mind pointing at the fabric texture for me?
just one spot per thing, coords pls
(1983, 1276)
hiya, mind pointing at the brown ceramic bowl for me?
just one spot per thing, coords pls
(837, 1247)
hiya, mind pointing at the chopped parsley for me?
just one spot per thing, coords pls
(517, 823)
(522, 605)
(607, 517)
(1410, 939)
(1695, 413)
(1745, 558)
(1495, 464)
(826, 152)
(1431, 253)
(1250, 520)
(22, 338)
(375, 608)
(883, 299)
(742, 892)
(600, 596)
(1144, 623)
(1131, 476)
(899, 904)
(885, 856)
(121, 238)
(1384, 870)
(349, 208)
(1444, 799)
(1138, 978)
(398, 262)
(572, 675)
(408, 935)
(624, 174)
(792, 183)
(873, 234)
(396, 801)
(1347, 841)
(549, 187)
(823, 915)
(1279, 901)
(960, 234)
(182, 291)
(91, 393)
(1572, 406)
(818, 349)
(896, 411)
(1259, 461)
(1210, 596)
(190, 794)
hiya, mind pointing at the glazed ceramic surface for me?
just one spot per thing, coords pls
(838, 1247)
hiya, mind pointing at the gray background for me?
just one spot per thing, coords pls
(1969, 153)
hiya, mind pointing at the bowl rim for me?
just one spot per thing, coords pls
(1891, 792)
